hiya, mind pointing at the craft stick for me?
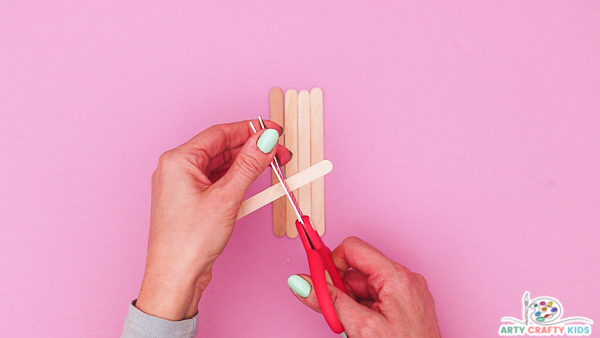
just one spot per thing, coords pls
(304, 147)
(316, 156)
(276, 191)
(291, 142)
(276, 115)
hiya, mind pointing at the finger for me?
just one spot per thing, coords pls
(250, 162)
(388, 282)
(284, 155)
(224, 160)
(218, 172)
(351, 314)
(216, 139)
(357, 284)
(355, 253)
(214, 174)
(302, 287)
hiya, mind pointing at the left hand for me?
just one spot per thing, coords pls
(197, 191)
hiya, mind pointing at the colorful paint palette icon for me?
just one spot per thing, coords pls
(545, 310)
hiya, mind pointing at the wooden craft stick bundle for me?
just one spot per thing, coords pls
(276, 115)
(304, 148)
(290, 119)
(301, 115)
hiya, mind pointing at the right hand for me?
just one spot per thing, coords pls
(385, 298)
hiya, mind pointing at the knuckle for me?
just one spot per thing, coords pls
(167, 158)
(409, 281)
(173, 158)
(351, 240)
(172, 162)
(402, 270)
(421, 280)
(164, 163)
(399, 276)
(388, 291)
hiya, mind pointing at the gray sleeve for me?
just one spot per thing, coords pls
(141, 325)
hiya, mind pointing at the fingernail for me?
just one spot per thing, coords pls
(299, 286)
(267, 140)
(343, 334)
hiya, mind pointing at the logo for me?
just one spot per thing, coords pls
(542, 316)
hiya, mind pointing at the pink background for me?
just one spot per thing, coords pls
(465, 139)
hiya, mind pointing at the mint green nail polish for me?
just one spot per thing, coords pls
(299, 286)
(268, 140)
(343, 334)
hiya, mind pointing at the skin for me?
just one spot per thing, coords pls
(384, 298)
(197, 190)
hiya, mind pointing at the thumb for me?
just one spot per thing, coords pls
(250, 162)
(351, 314)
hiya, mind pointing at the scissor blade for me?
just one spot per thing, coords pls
(281, 178)
(288, 193)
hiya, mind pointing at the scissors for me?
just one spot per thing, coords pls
(319, 256)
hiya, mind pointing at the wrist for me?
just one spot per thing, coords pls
(169, 297)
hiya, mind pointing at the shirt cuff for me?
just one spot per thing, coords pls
(141, 325)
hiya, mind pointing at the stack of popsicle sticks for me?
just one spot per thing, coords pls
(301, 115)
(276, 115)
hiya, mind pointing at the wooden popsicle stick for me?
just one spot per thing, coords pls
(276, 191)
(316, 156)
(279, 205)
(304, 147)
(291, 142)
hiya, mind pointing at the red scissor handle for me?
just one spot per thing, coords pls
(319, 261)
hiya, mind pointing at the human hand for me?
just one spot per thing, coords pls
(197, 191)
(384, 298)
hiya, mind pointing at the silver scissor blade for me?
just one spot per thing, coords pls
(289, 194)
(279, 173)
